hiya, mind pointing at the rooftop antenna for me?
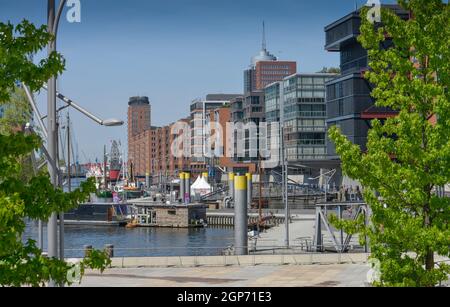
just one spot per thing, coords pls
(264, 45)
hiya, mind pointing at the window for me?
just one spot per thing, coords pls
(341, 107)
(307, 80)
(319, 94)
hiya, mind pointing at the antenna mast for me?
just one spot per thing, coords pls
(264, 44)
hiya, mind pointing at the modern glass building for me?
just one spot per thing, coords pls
(304, 114)
(248, 111)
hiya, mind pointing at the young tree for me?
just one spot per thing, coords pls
(34, 198)
(408, 156)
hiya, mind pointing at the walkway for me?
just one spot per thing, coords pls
(336, 275)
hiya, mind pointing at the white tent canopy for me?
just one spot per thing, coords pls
(200, 187)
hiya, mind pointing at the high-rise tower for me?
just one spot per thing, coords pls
(265, 68)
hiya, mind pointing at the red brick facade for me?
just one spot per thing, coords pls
(268, 72)
(150, 148)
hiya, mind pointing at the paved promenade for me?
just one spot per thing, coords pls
(302, 270)
(335, 275)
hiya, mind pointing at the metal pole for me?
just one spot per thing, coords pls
(40, 224)
(318, 230)
(147, 180)
(326, 190)
(341, 231)
(104, 167)
(69, 183)
(286, 200)
(284, 167)
(187, 188)
(240, 215)
(123, 167)
(231, 185)
(249, 190)
(260, 194)
(181, 187)
(35, 110)
(52, 228)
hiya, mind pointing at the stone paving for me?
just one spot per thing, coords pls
(335, 275)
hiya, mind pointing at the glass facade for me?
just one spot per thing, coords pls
(349, 94)
(272, 103)
(249, 80)
(304, 114)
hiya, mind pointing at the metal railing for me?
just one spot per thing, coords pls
(301, 246)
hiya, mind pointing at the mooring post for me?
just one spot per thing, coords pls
(240, 215)
(187, 188)
(109, 249)
(87, 250)
(181, 196)
(318, 231)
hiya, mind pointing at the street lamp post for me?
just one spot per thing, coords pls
(52, 231)
(53, 18)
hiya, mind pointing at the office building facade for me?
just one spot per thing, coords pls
(303, 115)
(349, 104)
(200, 110)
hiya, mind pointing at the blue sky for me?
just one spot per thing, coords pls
(173, 51)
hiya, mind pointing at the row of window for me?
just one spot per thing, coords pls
(298, 123)
(276, 72)
(306, 94)
(276, 67)
(306, 150)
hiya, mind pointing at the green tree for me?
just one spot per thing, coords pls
(331, 70)
(407, 156)
(17, 112)
(34, 198)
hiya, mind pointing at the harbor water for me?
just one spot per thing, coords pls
(140, 242)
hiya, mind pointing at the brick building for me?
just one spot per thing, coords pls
(141, 136)
(217, 120)
(166, 163)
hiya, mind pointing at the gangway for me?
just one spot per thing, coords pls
(217, 192)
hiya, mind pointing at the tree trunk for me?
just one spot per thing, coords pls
(429, 260)
(429, 257)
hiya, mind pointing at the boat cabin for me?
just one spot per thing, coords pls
(157, 214)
